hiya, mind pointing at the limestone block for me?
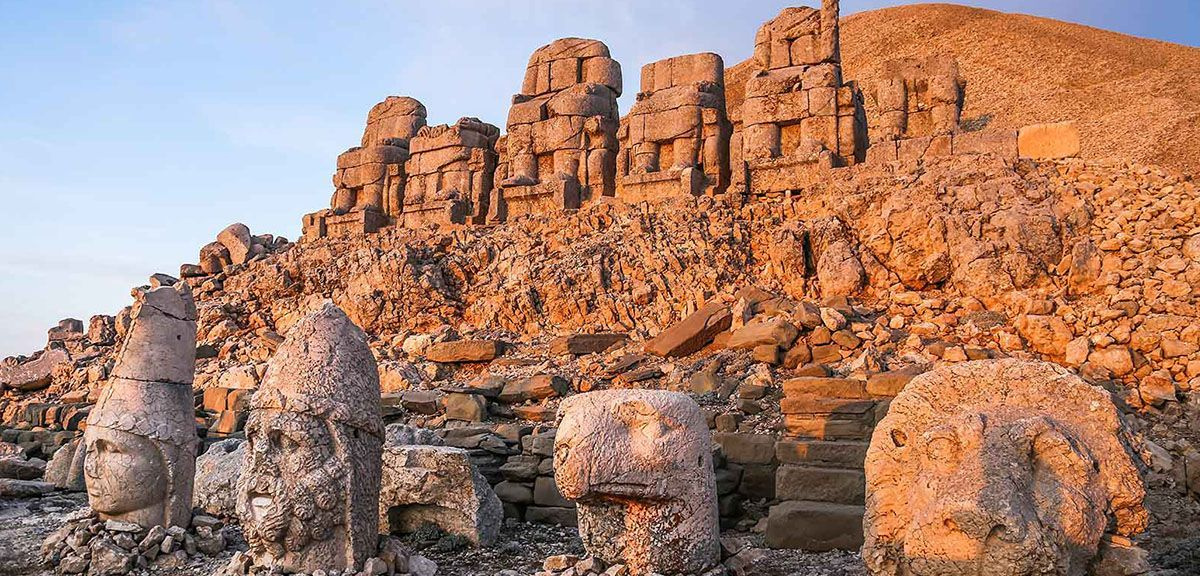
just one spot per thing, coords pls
(397, 117)
(236, 239)
(638, 464)
(1048, 141)
(439, 485)
(692, 333)
(34, 373)
(934, 498)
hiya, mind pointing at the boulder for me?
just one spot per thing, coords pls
(217, 473)
(65, 469)
(236, 239)
(35, 373)
(692, 333)
(438, 485)
(458, 351)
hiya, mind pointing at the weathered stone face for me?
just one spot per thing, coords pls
(309, 486)
(675, 139)
(638, 463)
(141, 437)
(998, 467)
(561, 146)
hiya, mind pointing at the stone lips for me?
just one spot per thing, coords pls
(989, 409)
(638, 463)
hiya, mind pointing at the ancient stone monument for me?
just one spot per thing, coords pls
(914, 108)
(638, 464)
(561, 147)
(450, 174)
(675, 139)
(1015, 465)
(141, 435)
(437, 485)
(799, 118)
(309, 486)
(369, 182)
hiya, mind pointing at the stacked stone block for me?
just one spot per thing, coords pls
(798, 116)
(820, 482)
(450, 174)
(675, 140)
(913, 110)
(561, 146)
(370, 179)
(528, 490)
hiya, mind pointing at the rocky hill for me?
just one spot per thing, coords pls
(1133, 98)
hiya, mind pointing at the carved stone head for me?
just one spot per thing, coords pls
(638, 464)
(1000, 467)
(141, 437)
(308, 494)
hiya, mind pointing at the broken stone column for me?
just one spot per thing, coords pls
(914, 108)
(799, 118)
(438, 485)
(638, 464)
(1017, 466)
(675, 140)
(308, 492)
(450, 173)
(561, 147)
(141, 435)
(369, 182)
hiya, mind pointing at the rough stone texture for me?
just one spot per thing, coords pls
(692, 333)
(1048, 141)
(65, 469)
(561, 147)
(1009, 463)
(141, 435)
(915, 98)
(369, 185)
(439, 485)
(217, 472)
(236, 239)
(450, 173)
(799, 119)
(33, 374)
(638, 464)
(675, 139)
(307, 496)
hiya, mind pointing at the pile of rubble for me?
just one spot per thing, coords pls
(88, 545)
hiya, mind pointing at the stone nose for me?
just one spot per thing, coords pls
(986, 522)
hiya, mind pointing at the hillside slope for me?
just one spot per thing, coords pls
(1134, 99)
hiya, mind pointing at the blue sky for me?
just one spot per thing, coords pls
(131, 132)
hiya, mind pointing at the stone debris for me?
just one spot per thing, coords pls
(87, 544)
(437, 485)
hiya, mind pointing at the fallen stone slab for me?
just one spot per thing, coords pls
(460, 351)
(33, 374)
(692, 333)
(10, 488)
(22, 469)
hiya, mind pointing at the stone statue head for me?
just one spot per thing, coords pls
(141, 437)
(308, 494)
(638, 464)
(1001, 467)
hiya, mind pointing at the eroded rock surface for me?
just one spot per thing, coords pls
(998, 467)
(638, 464)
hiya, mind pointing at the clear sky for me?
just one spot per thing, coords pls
(132, 132)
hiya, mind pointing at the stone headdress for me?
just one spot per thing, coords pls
(150, 390)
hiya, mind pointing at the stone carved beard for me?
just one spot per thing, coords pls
(293, 492)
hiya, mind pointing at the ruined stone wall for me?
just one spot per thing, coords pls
(450, 174)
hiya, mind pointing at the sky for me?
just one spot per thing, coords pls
(132, 132)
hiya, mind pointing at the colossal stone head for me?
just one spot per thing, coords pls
(638, 463)
(141, 436)
(308, 494)
(1001, 467)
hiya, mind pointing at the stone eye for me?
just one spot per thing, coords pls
(899, 438)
